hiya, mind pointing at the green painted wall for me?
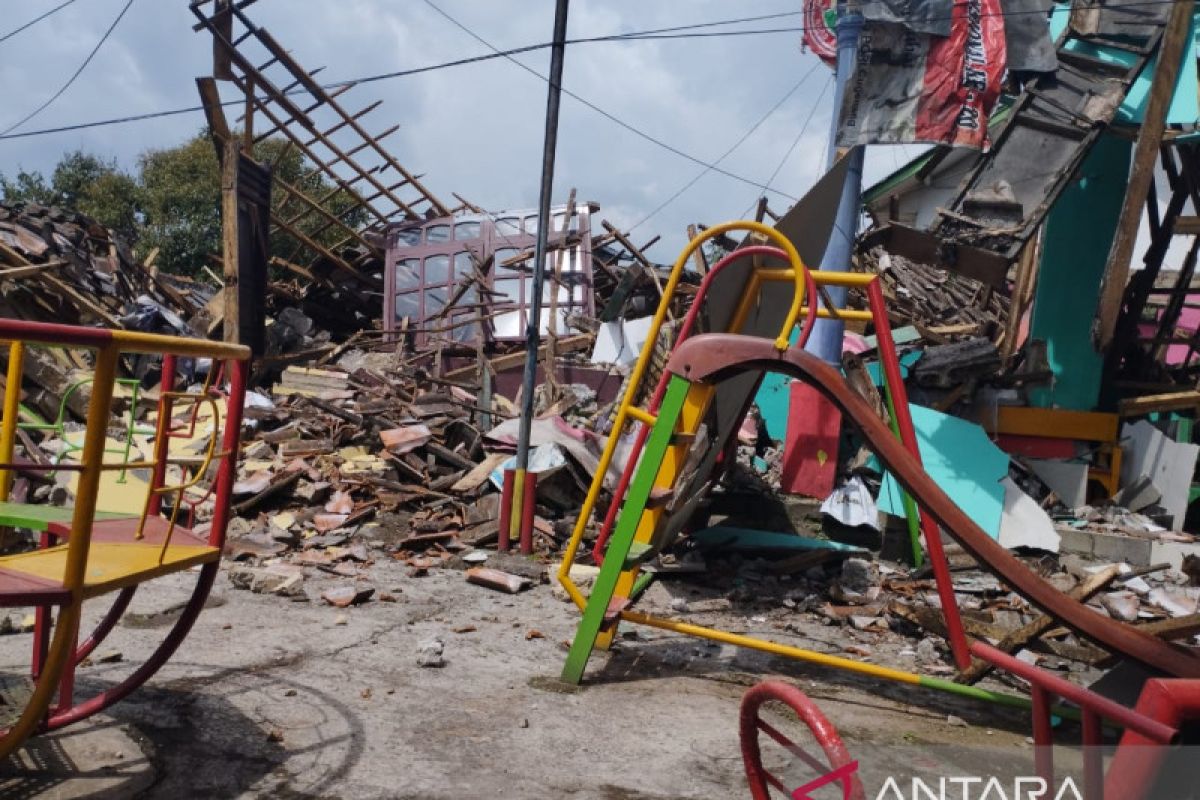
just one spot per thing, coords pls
(1078, 234)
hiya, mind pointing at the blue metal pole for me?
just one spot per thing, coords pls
(826, 339)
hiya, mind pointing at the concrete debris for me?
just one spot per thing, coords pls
(345, 596)
(429, 653)
(281, 579)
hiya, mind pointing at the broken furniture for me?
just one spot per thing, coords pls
(1049, 433)
(105, 556)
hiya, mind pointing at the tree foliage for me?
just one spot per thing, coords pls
(171, 201)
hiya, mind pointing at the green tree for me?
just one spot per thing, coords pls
(181, 203)
(26, 187)
(85, 183)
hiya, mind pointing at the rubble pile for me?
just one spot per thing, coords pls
(64, 267)
(357, 459)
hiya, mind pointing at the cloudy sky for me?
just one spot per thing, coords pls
(475, 129)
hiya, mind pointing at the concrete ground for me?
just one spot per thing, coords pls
(271, 697)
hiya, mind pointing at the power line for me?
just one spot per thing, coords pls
(78, 72)
(811, 113)
(728, 152)
(635, 36)
(34, 21)
(604, 113)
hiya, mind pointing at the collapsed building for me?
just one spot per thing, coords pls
(388, 362)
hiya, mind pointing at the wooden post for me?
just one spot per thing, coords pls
(1141, 174)
(229, 234)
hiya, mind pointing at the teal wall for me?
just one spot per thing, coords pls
(1078, 234)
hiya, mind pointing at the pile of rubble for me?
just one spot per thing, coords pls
(358, 457)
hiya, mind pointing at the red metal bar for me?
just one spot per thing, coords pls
(908, 435)
(41, 621)
(54, 334)
(527, 513)
(1093, 756)
(685, 330)
(825, 733)
(503, 540)
(1043, 735)
(1127, 718)
(231, 443)
(1139, 757)
(101, 631)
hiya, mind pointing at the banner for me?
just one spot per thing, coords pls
(911, 87)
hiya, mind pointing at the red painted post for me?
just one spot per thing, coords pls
(1093, 756)
(908, 436)
(1043, 737)
(528, 503)
(506, 498)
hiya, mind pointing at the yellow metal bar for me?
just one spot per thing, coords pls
(799, 653)
(847, 279)
(62, 647)
(12, 410)
(518, 507)
(643, 362)
(642, 415)
(845, 314)
(134, 342)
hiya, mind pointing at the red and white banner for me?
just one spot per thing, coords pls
(910, 87)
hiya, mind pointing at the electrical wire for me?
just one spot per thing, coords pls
(35, 21)
(779, 167)
(633, 36)
(636, 36)
(77, 73)
(610, 117)
(728, 152)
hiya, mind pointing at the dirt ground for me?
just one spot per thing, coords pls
(272, 697)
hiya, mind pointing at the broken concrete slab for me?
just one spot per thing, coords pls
(1169, 465)
(1067, 479)
(1023, 523)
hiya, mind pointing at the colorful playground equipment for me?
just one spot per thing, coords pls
(84, 554)
(705, 391)
(1164, 709)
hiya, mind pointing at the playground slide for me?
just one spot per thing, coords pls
(715, 358)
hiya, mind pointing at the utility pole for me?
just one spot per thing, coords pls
(826, 339)
(533, 330)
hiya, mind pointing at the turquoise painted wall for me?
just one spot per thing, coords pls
(1078, 234)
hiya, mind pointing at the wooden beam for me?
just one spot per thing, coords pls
(1149, 140)
(1171, 401)
(501, 363)
(229, 237)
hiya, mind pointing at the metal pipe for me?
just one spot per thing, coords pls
(903, 419)
(826, 342)
(532, 329)
(12, 410)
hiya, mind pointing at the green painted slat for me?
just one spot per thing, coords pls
(627, 524)
(38, 517)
